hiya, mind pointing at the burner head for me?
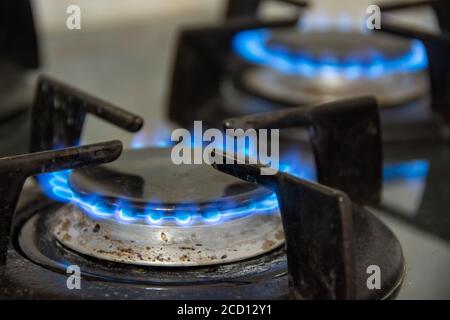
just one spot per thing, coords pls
(148, 178)
(320, 46)
(145, 210)
(296, 68)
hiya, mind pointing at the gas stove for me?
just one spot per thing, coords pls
(138, 226)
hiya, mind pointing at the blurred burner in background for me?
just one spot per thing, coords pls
(436, 42)
(326, 58)
(18, 55)
(247, 66)
(291, 67)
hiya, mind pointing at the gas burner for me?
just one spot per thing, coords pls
(139, 219)
(142, 227)
(168, 246)
(296, 68)
(436, 44)
(247, 65)
(145, 210)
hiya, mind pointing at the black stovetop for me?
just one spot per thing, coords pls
(414, 203)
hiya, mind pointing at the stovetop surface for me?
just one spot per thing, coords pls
(413, 207)
(416, 209)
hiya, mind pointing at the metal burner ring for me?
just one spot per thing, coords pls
(167, 245)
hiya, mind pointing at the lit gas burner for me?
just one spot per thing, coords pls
(295, 67)
(134, 221)
(143, 209)
(140, 227)
(270, 65)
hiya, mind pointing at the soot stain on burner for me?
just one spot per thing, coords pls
(187, 248)
(268, 244)
(185, 258)
(65, 226)
(96, 228)
(279, 235)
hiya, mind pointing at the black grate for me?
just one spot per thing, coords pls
(57, 120)
(317, 219)
(437, 45)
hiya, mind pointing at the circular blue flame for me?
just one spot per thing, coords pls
(56, 186)
(251, 46)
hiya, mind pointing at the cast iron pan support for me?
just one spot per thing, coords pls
(317, 223)
(437, 45)
(59, 113)
(57, 120)
(346, 140)
(317, 218)
(14, 171)
(201, 62)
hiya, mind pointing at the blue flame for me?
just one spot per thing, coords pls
(154, 136)
(56, 186)
(251, 45)
(406, 170)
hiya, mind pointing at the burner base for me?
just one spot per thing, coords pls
(168, 245)
(262, 277)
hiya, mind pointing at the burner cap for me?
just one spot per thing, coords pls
(289, 67)
(341, 45)
(148, 177)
